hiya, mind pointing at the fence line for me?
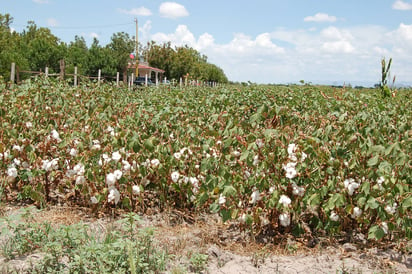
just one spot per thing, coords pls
(15, 77)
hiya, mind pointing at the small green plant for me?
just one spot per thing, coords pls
(198, 262)
(386, 90)
(77, 249)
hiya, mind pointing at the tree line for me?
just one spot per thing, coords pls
(35, 48)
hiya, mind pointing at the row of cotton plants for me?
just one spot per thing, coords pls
(302, 159)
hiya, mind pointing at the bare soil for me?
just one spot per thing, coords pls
(232, 250)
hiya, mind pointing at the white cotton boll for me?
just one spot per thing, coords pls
(12, 172)
(118, 174)
(256, 160)
(50, 165)
(114, 195)
(380, 180)
(79, 169)
(110, 179)
(292, 148)
(29, 124)
(136, 189)
(284, 219)
(80, 180)
(106, 158)
(155, 163)
(298, 191)
(271, 189)
(126, 166)
(175, 176)
(194, 181)
(17, 148)
(96, 145)
(255, 197)
(222, 199)
(16, 161)
(236, 153)
(293, 157)
(94, 200)
(303, 157)
(385, 227)
(116, 156)
(177, 155)
(242, 218)
(352, 187)
(357, 212)
(259, 143)
(284, 200)
(290, 170)
(391, 209)
(73, 152)
(333, 216)
(55, 135)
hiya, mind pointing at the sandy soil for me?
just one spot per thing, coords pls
(230, 250)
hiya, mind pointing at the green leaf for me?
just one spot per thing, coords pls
(407, 203)
(226, 214)
(366, 188)
(229, 191)
(376, 233)
(314, 200)
(372, 203)
(373, 161)
(214, 208)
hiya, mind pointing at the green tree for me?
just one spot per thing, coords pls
(43, 48)
(119, 49)
(77, 55)
(10, 47)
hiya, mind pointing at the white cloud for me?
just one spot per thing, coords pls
(320, 17)
(328, 55)
(51, 22)
(401, 5)
(338, 47)
(142, 11)
(41, 1)
(145, 30)
(172, 10)
(93, 35)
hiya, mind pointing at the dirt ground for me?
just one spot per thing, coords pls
(231, 250)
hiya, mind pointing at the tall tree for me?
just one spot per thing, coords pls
(43, 48)
(10, 47)
(120, 48)
(77, 55)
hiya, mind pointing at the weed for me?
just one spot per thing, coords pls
(198, 262)
(74, 249)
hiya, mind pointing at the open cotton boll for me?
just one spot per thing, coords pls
(284, 219)
(110, 179)
(136, 189)
(114, 195)
(284, 200)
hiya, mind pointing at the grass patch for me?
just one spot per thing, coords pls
(78, 249)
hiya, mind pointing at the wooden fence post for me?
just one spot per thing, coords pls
(99, 76)
(117, 79)
(12, 73)
(46, 71)
(75, 76)
(181, 82)
(62, 67)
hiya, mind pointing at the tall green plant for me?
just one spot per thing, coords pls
(386, 91)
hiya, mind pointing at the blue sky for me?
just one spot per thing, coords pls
(263, 41)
